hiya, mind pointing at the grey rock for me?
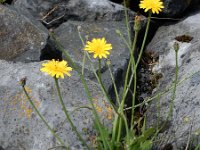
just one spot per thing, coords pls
(185, 120)
(53, 13)
(69, 38)
(21, 37)
(22, 129)
(175, 8)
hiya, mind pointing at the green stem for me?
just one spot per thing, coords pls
(99, 70)
(42, 118)
(144, 40)
(133, 99)
(83, 67)
(127, 23)
(120, 130)
(84, 56)
(67, 115)
(115, 128)
(175, 85)
(101, 84)
(159, 111)
(135, 78)
(114, 84)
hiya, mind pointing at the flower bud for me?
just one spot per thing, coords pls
(176, 46)
(22, 81)
(137, 25)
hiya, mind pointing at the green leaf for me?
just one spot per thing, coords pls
(147, 145)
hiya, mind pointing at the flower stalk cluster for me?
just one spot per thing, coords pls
(123, 134)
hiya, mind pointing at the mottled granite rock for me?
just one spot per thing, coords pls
(21, 128)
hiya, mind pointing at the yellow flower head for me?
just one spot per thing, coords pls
(56, 68)
(154, 5)
(99, 47)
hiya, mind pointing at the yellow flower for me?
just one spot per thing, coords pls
(154, 5)
(99, 47)
(56, 68)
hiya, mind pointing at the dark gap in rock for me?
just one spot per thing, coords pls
(50, 51)
(192, 9)
(161, 19)
(118, 76)
(8, 2)
(152, 30)
(132, 4)
(168, 146)
(117, 1)
(144, 86)
(1, 148)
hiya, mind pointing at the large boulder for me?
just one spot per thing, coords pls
(184, 125)
(21, 128)
(119, 54)
(174, 8)
(21, 37)
(53, 13)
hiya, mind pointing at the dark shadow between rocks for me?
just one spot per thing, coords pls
(50, 51)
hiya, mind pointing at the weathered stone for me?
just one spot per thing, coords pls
(20, 34)
(175, 8)
(186, 111)
(53, 13)
(119, 54)
(21, 128)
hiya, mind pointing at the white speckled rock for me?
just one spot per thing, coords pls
(186, 105)
(22, 129)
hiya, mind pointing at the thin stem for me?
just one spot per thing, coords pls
(84, 56)
(144, 40)
(67, 115)
(175, 85)
(125, 41)
(99, 70)
(127, 23)
(101, 84)
(115, 128)
(159, 110)
(135, 78)
(83, 66)
(120, 130)
(42, 118)
(114, 84)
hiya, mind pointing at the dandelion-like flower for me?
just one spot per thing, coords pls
(154, 5)
(56, 68)
(99, 47)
